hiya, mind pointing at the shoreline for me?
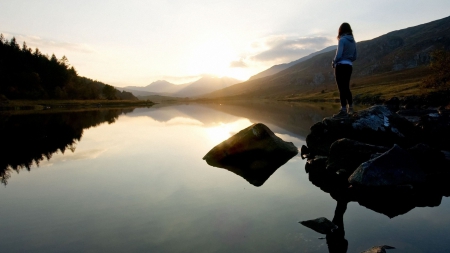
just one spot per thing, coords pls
(41, 105)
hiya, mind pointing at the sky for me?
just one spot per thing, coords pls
(137, 42)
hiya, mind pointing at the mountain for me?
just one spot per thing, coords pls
(202, 86)
(402, 53)
(205, 85)
(157, 87)
(277, 68)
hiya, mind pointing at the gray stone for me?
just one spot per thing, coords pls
(347, 155)
(392, 168)
(320, 225)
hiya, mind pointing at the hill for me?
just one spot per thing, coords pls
(277, 68)
(393, 58)
(205, 85)
(28, 74)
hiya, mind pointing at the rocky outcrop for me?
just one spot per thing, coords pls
(382, 159)
(254, 153)
(377, 125)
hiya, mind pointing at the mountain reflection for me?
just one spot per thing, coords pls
(28, 138)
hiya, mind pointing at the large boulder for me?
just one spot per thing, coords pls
(254, 153)
(392, 168)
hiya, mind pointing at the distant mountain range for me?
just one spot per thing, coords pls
(204, 85)
(396, 52)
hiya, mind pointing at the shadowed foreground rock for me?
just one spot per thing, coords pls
(392, 168)
(254, 153)
(382, 160)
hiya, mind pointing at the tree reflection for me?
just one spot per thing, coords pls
(31, 138)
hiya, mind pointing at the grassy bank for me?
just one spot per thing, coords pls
(11, 105)
(379, 88)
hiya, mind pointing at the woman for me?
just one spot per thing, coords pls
(342, 64)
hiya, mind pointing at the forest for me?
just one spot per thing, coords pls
(29, 74)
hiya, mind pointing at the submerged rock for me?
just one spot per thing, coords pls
(392, 168)
(254, 153)
(320, 225)
(378, 249)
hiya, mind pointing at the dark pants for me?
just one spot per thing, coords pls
(342, 73)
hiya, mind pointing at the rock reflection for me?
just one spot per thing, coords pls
(390, 201)
(31, 138)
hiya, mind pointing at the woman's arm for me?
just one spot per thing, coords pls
(339, 51)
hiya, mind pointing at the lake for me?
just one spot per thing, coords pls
(133, 180)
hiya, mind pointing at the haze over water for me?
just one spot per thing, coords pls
(139, 184)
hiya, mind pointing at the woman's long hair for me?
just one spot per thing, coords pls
(344, 29)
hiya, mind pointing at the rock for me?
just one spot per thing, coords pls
(305, 153)
(382, 126)
(393, 104)
(254, 153)
(346, 155)
(431, 160)
(392, 168)
(435, 128)
(321, 225)
(376, 125)
(414, 115)
(378, 249)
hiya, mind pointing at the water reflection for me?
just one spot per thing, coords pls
(31, 138)
(389, 201)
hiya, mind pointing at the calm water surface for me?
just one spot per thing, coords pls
(135, 181)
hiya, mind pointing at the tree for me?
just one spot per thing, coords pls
(439, 66)
(109, 92)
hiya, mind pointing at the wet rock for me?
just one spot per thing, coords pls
(378, 249)
(321, 225)
(346, 155)
(254, 153)
(392, 168)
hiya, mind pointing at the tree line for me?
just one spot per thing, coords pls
(29, 74)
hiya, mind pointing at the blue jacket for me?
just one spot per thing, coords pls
(346, 51)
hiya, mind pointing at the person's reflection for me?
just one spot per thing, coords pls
(336, 239)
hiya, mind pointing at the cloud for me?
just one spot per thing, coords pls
(284, 48)
(44, 44)
(238, 64)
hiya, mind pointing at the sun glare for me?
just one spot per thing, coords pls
(219, 133)
(212, 56)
